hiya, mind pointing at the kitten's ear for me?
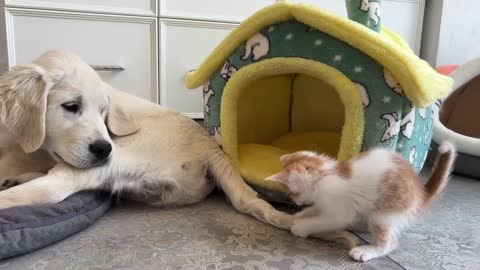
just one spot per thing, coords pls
(285, 159)
(288, 158)
(281, 177)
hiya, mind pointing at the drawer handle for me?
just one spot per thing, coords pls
(107, 67)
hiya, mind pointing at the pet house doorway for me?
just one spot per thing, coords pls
(282, 105)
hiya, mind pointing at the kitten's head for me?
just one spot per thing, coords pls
(301, 171)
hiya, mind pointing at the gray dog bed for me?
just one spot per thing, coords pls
(24, 229)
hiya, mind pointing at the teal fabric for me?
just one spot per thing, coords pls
(295, 39)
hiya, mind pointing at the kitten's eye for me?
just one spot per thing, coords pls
(72, 107)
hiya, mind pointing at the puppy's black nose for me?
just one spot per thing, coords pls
(100, 149)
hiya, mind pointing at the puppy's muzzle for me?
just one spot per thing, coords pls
(100, 149)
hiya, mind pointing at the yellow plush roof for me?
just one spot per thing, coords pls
(421, 83)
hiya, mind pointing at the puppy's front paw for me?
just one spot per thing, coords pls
(299, 215)
(299, 231)
(283, 220)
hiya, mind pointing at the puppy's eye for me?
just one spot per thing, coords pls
(72, 107)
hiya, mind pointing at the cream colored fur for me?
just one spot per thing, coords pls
(159, 156)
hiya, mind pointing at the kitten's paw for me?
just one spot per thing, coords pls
(350, 239)
(364, 253)
(299, 231)
(343, 237)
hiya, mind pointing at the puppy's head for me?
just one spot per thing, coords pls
(61, 105)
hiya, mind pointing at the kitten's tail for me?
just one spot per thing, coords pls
(441, 171)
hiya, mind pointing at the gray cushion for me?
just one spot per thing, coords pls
(26, 228)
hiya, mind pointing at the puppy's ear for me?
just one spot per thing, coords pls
(119, 121)
(23, 103)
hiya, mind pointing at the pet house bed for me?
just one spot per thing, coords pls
(27, 228)
(457, 121)
(292, 77)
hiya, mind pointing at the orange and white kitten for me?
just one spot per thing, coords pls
(377, 188)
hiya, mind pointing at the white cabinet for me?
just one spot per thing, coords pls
(212, 10)
(125, 42)
(155, 41)
(183, 46)
(189, 31)
(405, 17)
(132, 7)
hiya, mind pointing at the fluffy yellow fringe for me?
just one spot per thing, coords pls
(421, 83)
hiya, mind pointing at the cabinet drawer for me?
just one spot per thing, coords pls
(184, 45)
(133, 7)
(213, 10)
(99, 39)
(405, 17)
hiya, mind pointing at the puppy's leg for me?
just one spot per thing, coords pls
(61, 182)
(242, 196)
(19, 179)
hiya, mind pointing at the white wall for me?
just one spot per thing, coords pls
(460, 41)
(3, 41)
(452, 32)
(431, 30)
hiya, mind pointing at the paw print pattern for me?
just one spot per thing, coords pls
(256, 47)
(407, 123)
(423, 113)
(363, 93)
(392, 82)
(217, 134)
(227, 71)
(373, 9)
(412, 155)
(207, 94)
(393, 126)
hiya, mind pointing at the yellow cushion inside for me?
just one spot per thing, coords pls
(263, 112)
(312, 101)
(257, 161)
(321, 142)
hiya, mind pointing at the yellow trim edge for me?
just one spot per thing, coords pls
(421, 83)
